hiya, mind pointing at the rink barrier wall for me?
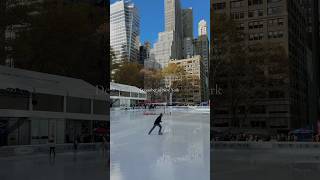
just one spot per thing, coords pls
(22, 150)
(264, 145)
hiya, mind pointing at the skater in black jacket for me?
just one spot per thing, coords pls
(157, 123)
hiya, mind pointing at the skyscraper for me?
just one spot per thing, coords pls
(170, 42)
(173, 15)
(144, 52)
(202, 28)
(187, 26)
(188, 47)
(311, 13)
(202, 44)
(187, 22)
(124, 31)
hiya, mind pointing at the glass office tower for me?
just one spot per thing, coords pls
(124, 31)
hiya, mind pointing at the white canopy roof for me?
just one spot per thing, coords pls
(125, 88)
(37, 82)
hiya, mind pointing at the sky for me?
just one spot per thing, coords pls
(152, 16)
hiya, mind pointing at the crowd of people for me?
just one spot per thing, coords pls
(52, 144)
(142, 106)
(256, 138)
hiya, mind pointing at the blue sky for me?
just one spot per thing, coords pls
(152, 16)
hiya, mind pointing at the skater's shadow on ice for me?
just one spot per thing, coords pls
(157, 134)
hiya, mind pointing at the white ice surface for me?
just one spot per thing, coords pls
(181, 153)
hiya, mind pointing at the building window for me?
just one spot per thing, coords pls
(255, 2)
(82, 130)
(100, 107)
(78, 105)
(10, 35)
(273, 1)
(280, 34)
(256, 13)
(219, 6)
(261, 124)
(261, 36)
(278, 112)
(240, 26)
(274, 10)
(124, 94)
(14, 99)
(256, 36)
(133, 94)
(260, 94)
(276, 94)
(259, 109)
(251, 14)
(271, 22)
(255, 25)
(15, 131)
(280, 21)
(275, 34)
(251, 37)
(237, 15)
(237, 4)
(114, 93)
(142, 95)
(40, 131)
(47, 102)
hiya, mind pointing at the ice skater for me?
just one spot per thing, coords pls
(157, 123)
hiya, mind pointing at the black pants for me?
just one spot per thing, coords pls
(53, 150)
(154, 127)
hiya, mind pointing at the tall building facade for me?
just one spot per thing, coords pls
(202, 44)
(311, 12)
(144, 53)
(187, 26)
(202, 28)
(11, 31)
(286, 104)
(188, 47)
(170, 42)
(192, 86)
(173, 15)
(164, 49)
(124, 31)
(173, 22)
(187, 22)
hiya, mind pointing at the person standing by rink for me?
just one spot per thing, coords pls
(157, 123)
(75, 144)
(52, 145)
(103, 145)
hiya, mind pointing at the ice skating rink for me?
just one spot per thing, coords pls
(265, 164)
(181, 153)
(90, 165)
